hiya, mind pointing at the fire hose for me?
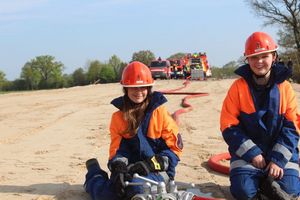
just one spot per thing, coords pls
(214, 161)
(186, 106)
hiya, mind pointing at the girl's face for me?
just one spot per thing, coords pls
(262, 63)
(137, 94)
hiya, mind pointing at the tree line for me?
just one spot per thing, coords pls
(45, 72)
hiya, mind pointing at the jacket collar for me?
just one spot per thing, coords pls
(279, 72)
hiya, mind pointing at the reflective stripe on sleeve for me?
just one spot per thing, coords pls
(283, 150)
(291, 165)
(246, 146)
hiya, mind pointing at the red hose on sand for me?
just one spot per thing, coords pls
(186, 106)
(185, 83)
(214, 163)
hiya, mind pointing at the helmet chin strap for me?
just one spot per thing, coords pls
(262, 79)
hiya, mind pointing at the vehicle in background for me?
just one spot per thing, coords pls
(177, 66)
(195, 62)
(160, 69)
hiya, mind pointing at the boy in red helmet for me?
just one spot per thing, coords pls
(144, 139)
(259, 122)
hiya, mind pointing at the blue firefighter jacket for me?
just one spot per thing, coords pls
(262, 121)
(157, 134)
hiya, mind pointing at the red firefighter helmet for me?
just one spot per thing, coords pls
(258, 43)
(136, 74)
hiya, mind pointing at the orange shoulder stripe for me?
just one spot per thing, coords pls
(238, 99)
(288, 104)
(117, 126)
(162, 125)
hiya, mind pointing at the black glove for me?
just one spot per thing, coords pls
(119, 175)
(119, 184)
(118, 167)
(141, 168)
(153, 164)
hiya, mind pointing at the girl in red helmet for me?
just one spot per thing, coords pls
(144, 139)
(259, 122)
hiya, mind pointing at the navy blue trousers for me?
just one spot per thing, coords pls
(245, 183)
(101, 188)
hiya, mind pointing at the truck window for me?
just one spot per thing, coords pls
(158, 64)
(196, 60)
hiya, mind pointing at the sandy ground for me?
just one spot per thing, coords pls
(46, 137)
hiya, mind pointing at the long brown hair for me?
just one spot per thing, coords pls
(134, 113)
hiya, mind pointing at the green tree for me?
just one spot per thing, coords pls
(227, 71)
(107, 74)
(145, 56)
(31, 76)
(93, 72)
(56, 80)
(17, 85)
(2, 80)
(67, 80)
(45, 70)
(177, 56)
(117, 65)
(79, 77)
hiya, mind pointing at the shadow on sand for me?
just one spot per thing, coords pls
(211, 187)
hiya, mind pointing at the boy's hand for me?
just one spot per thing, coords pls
(259, 162)
(275, 171)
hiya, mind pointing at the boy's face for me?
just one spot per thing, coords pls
(262, 63)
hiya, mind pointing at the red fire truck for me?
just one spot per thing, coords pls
(197, 61)
(160, 69)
